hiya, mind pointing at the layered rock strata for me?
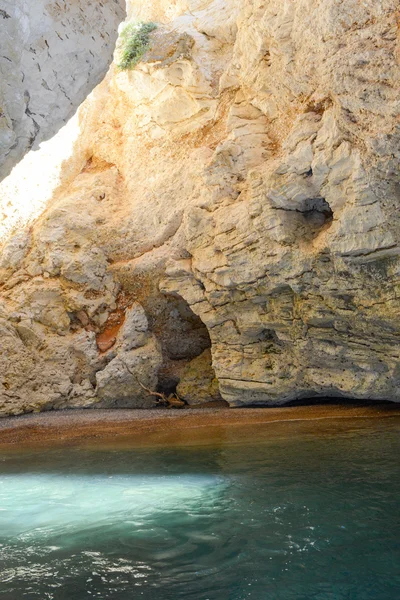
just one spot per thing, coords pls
(237, 191)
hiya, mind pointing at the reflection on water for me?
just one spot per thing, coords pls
(294, 517)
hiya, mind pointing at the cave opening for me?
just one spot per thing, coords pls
(183, 337)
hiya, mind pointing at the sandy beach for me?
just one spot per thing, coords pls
(148, 427)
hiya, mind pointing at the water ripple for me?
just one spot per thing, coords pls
(288, 520)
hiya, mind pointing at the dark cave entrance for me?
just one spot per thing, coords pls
(182, 335)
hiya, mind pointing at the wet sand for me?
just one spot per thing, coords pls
(196, 426)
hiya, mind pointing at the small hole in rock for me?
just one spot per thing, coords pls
(318, 211)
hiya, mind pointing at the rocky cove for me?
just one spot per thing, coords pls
(199, 209)
(223, 227)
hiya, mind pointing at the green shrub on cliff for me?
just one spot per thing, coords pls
(134, 42)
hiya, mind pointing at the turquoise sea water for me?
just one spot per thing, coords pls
(293, 517)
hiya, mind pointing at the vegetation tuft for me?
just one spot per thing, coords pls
(134, 43)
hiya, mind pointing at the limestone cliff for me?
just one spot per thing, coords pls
(237, 190)
(52, 54)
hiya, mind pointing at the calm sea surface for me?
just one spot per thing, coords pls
(295, 516)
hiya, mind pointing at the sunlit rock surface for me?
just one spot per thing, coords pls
(52, 55)
(24, 194)
(241, 185)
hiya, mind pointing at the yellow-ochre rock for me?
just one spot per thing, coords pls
(235, 195)
(198, 383)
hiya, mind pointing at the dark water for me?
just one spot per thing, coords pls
(299, 516)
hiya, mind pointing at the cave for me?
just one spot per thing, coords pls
(239, 161)
(183, 337)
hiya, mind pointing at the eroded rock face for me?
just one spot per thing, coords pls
(135, 362)
(52, 56)
(247, 171)
(198, 383)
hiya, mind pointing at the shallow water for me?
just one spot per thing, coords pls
(294, 516)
